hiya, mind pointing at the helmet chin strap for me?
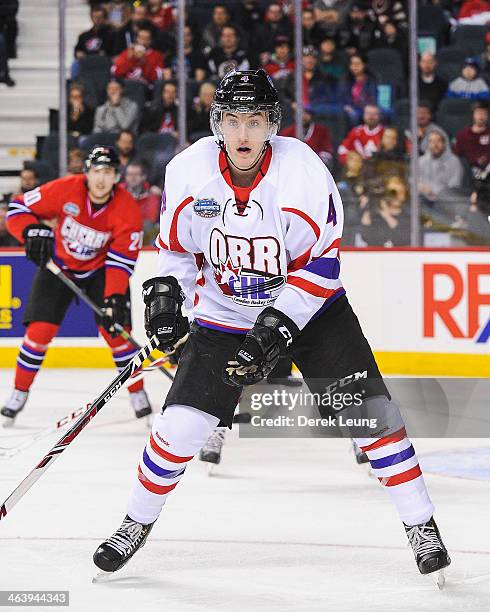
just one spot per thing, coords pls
(262, 151)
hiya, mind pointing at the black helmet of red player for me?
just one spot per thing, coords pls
(246, 91)
(102, 156)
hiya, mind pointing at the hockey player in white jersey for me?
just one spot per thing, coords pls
(249, 239)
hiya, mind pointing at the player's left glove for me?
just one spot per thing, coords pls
(38, 243)
(115, 312)
(259, 353)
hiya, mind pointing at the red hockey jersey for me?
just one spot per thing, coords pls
(86, 238)
(362, 140)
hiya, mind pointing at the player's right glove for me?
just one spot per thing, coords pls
(38, 243)
(163, 313)
(259, 353)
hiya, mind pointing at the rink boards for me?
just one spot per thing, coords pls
(425, 312)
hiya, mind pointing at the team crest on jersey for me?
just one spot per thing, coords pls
(247, 270)
(70, 208)
(81, 242)
(207, 208)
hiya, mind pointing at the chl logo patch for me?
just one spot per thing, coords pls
(207, 208)
(70, 208)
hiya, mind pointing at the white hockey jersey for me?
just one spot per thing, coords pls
(236, 250)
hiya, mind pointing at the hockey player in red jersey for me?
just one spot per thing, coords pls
(249, 239)
(96, 241)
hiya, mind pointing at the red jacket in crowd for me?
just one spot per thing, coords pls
(147, 69)
(317, 137)
(362, 140)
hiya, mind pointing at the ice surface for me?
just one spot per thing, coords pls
(287, 525)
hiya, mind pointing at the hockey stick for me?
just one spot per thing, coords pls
(10, 451)
(57, 271)
(90, 412)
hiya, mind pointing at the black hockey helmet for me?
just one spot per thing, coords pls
(102, 156)
(246, 91)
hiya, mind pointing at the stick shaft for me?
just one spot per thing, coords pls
(76, 428)
(57, 271)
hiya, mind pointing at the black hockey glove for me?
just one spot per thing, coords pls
(163, 313)
(115, 313)
(38, 243)
(259, 353)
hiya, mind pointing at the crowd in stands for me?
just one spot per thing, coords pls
(123, 91)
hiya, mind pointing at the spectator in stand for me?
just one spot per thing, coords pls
(395, 39)
(76, 162)
(474, 12)
(316, 136)
(29, 179)
(485, 59)
(212, 32)
(125, 150)
(386, 223)
(275, 24)
(357, 89)
(228, 55)
(140, 62)
(365, 138)
(96, 41)
(332, 64)
(118, 13)
(4, 64)
(341, 6)
(327, 24)
(118, 113)
(469, 85)
(308, 22)
(6, 239)
(8, 25)
(319, 93)
(80, 118)
(425, 126)
(161, 116)
(439, 168)
(358, 34)
(249, 15)
(352, 184)
(394, 11)
(199, 113)
(391, 158)
(160, 14)
(136, 182)
(126, 36)
(473, 143)
(281, 63)
(195, 62)
(432, 88)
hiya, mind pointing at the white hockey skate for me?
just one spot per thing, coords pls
(429, 551)
(141, 405)
(13, 406)
(211, 451)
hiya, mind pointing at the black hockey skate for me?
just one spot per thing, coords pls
(13, 406)
(121, 546)
(428, 549)
(211, 451)
(140, 403)
(361, 457)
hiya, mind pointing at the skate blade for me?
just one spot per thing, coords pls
(102, 577)
(7, 422)
(438, 578)
(149, 421)
(211, 469)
